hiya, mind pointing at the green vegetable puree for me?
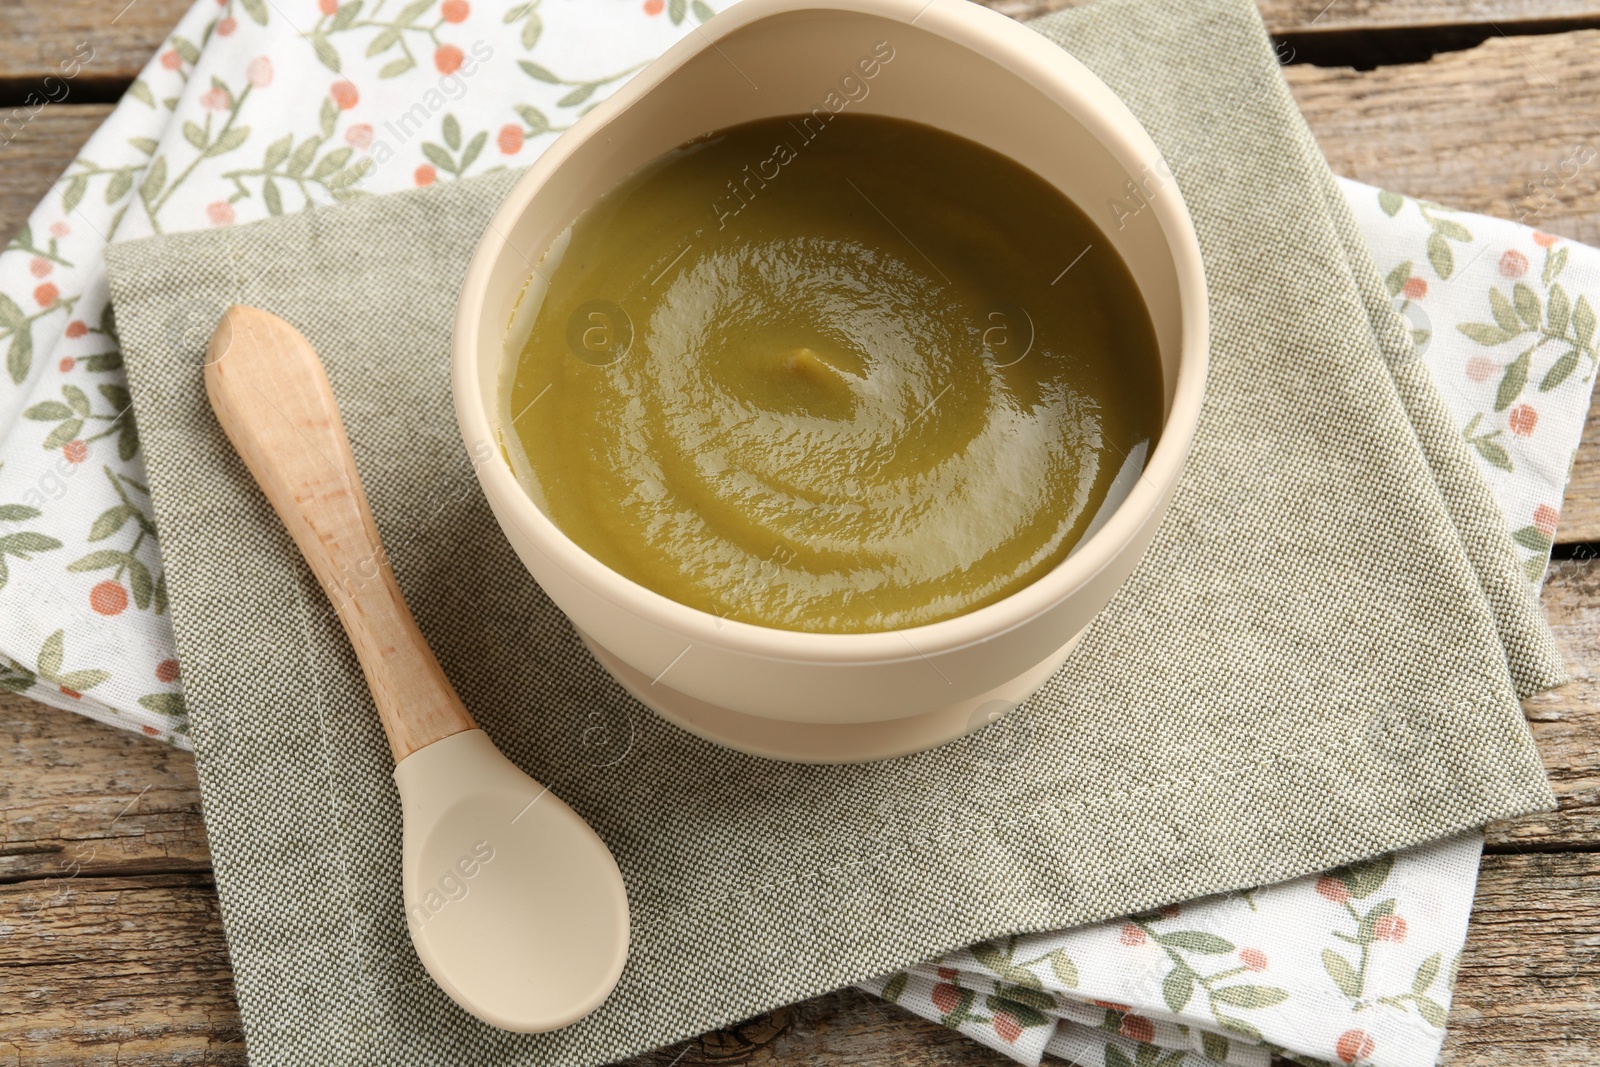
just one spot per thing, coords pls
(836, 376)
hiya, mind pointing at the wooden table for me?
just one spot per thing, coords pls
(111, 950)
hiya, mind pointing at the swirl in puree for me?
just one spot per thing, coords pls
(849, 377)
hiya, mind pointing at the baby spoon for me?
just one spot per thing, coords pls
(515, 905)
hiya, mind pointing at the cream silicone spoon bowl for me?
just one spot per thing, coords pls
(515, 905)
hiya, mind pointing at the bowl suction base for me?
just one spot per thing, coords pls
(807, 742)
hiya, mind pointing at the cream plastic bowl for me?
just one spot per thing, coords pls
(957, 66)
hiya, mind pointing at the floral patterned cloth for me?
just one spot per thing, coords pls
(255, 108)
(1355, 966)
(1504, 315)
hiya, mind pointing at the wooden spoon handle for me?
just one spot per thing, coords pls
(272, 396)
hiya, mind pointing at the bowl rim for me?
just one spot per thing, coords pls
(1062, 78)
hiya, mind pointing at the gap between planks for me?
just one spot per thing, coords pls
(38, 36)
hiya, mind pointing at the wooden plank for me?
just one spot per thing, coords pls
(1529, 988)
(134, 971)
(116, 970)
(1479, 130)
(80, 797)
(1294, 17)
(1566, 721)
(1580, 518)
(36, 37)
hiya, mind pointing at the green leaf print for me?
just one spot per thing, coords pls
(1366, 931)
(11, 316)
(1342, 973)
(532, 24)
(1196, 941)
(330, 163)
(439, 157)
(1505, 316)
(1440, 256)
(1000, 962)
(155, 179)
(1178, 988)
(14, 677)
(1513, 380)
(895, 987)
(1559, 371)
(1063, 968)
(347, 14)
(77, 186)
(19, 358)
(1391, 203)
(581, 89)
(21, 543)
(1426, 973)
(1556, 318)
(1238, 1026)
(1249, 996)
(1583, 321)
(1214, 1045)
(51, 655)
(327, 55)
(1397, 278)
(302, 157)
(1485, 334)
(1022, 994)
(1365, 878)
(1432, 1011)
(1492, 451)
(1533, 540)
(535, 119)
(100, 560)
(1554, 263)
(119, 186)
(1559, 310)
(277, 151)
(1527, 304)
(1029, 1010)
(172, 704)
(577, 95)
(48, 411)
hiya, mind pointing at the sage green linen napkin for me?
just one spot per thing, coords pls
(1318, 660)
